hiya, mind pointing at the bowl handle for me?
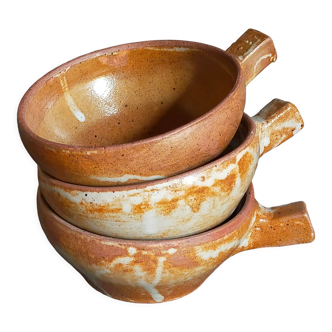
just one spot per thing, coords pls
(277, 122)
(278, 226)
(255, 51)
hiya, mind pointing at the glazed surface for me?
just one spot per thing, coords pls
(170, 208)
(182, 205)
(139, 112)
(93, 120)
(129, 95)
(164, 270)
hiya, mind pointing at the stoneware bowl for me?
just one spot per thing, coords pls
(163, 270)
(141, 111)
(182, 205)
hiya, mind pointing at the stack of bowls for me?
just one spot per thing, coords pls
(146, 159)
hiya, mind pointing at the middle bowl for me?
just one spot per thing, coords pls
(182, 205)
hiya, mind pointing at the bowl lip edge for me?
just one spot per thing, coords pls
(23, 126)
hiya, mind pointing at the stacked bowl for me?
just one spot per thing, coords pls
(146, 159)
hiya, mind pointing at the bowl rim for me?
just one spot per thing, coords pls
(210, 235)
(248, 122)
(151, 43)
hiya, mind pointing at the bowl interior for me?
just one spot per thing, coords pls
(239, 137)
(129, 94)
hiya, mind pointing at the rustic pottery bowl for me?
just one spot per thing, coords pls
(182, 205)
(141, 111)
(163, 270)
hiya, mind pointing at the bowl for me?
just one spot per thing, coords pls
(139, 112)
(163, 270)
(182, 205)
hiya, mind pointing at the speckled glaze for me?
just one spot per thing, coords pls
(163, 270)
(182, 205)
(140, 112)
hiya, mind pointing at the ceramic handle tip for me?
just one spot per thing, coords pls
(255, 51)
(281, 226)
(278, 121)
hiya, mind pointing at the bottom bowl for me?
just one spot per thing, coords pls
(149, 271)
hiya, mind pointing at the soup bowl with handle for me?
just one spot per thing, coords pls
(185, 204)
(139, 112)
(163, 270)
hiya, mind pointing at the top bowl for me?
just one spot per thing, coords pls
(141, 111)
